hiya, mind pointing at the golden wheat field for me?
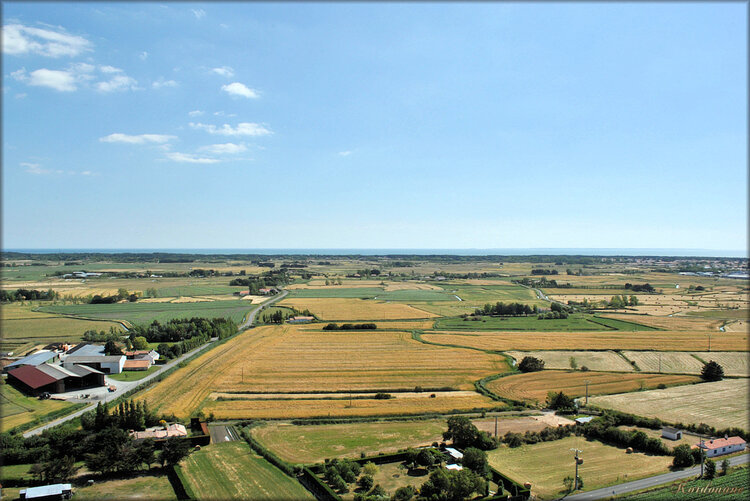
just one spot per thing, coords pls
(385, 324)
(594, 360)
(355, 309)
(734, 363)
(534, 386)
(721, 404)
(612, 340)
(287, 359)
(675, 323)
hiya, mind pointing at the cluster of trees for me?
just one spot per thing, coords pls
(180, 329)
(280, 315)
(464, 434)
(543, 271)
(93, 336)
(27, 295)
(273, 278)
(558, 311)
(542, 282)
(121, 294)
(340, 472)
(531, 364)
(506, 309)
(622, 301)
(533, 437)
(449, 485)
(127, 416)
(561, 402)
(605, 430)
(712, 371)
(349, 327)
(640, 288)
(335, 281)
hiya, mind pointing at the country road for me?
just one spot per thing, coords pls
(101, 394)
(645, 483)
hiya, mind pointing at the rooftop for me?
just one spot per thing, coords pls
(45, 490)
(723, 442)
(32, 376)
(37, 358)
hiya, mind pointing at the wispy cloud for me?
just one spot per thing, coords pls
(224, 71)
(191, 159)
(242, 129)
(345, 153)
(19, 39)
(163, 83)
(117, 83)
(68, 80)
(195, 113)
(109, 69)
(198, 13)
(63, 81)
(137, 139)
(143, 55)
(239, 89)
(224, 149)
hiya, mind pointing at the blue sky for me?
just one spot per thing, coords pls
(363, 125)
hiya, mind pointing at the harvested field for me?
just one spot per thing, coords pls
(611, 340)
(734, 363)
(231, 470)
(521, 424)
(355, 309)
(381, 325)
(721, 404)
(737, 326)
(145, 486)
(287, 359)
(594, 360)
(546, 464)
(17, 409)
(675, 323)
(314, 443)
(534, 386)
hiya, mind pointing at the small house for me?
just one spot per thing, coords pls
(722, 446)
(300, 320)
(671, 433)
(455, 454)
(456, 467)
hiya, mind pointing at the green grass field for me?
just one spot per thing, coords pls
(314, 443)
(134, 375)
(18, 409)
(574, 323)
(231, 470)
(140, 313)
(152, 485)
(732, 487)
(374, 292)
(197, 289)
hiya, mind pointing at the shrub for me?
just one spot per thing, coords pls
(530, 364)
(712, 371)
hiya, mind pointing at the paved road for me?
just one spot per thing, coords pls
(645, 483)
(101, 394)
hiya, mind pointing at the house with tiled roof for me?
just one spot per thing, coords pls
(722, 446)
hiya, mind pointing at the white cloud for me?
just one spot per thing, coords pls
(19, 39)
(242, 129)
(195, 113)
(137, 139)
(345, 153)
(224, 149)
(33, 168)
(198, 13)
(192, 159)
(63, 81)
(109, 69)
(238, 89)
(224, 71)
(119, 82)
(163, 83)
(143, 55)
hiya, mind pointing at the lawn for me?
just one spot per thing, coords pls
(231, 470)
(151, 485)
(134, 375)
(314, 443)
(546, 464)
(18, 409)
(721, 404)
(139, 313)
(732, 487)
(534, 386)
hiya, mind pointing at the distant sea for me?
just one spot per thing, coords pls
(423, 252)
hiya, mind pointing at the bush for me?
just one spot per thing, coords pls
(712, 371)
(683, 457)
(366, 482)
(530, 364)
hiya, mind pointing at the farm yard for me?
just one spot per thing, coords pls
(534, 386)
(546, 464)
(721, 404)
(231, 470)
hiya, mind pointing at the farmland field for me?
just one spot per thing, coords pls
(314, 443)
(734, 363)
(534, 386)
(610, 340)
(546, 464)
(530, 323)
(231, 470)
(721, 404)
(355, 309)
(18, 409)
(594, 360)
(288, 359)
(136, 313)
(674, 323)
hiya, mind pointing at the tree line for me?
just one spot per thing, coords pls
(506, 309)
(349, 327)
(27, 295)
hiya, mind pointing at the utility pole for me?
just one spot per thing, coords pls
(701, 449)
(495, 426)
(709, 341)
(243, 373)
(659, 362)
(587, 391)
(578, 462)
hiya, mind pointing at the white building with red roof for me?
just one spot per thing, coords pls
(722, 446)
